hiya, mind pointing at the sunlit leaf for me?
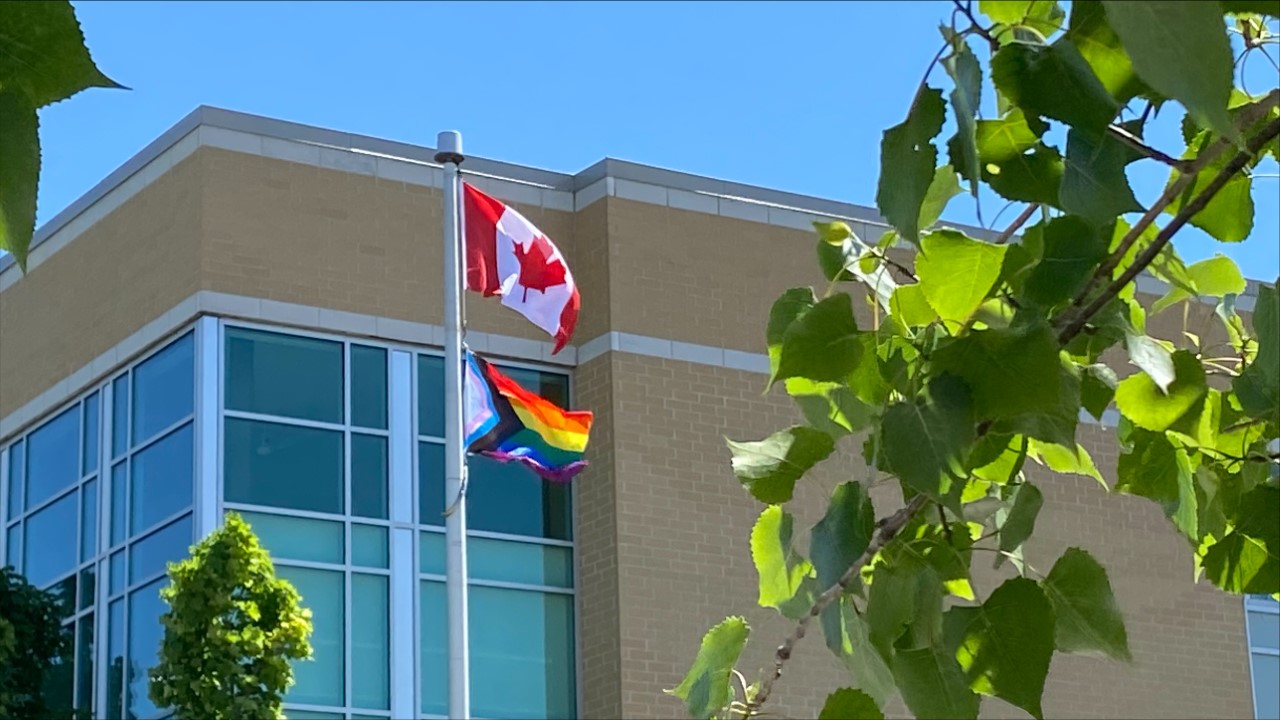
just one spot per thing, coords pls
(1247, 560)
(1157, 470)
(1101, 48)
(707, 688)
(1213, 277)
(785, 577)
(957, 272)
(1141, 400)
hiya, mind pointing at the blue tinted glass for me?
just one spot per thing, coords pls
(296, 538)
(50, 544)
(320, 681)
(53, 457)
(431, 395)
(283, 466)
(368, 476)
(17, 477)
(164, 388)
(522, 651)
(152, 555)
(145, 634)
(84, 664)
(119, 500)
(509, 498)
(312, 715)
(369, 546)
(285, 375)
(431, 553)
(117, 572)
(64, 592)
(88, 586)
(59, 679)
(431, 483)
(89, 520)
(369, 387)
(1266, 690)
(13, 549)
(115, 659)
(433, 639)
(520, 562)
(120, 415)
(163, 479)
(370, 644)
(91, 421)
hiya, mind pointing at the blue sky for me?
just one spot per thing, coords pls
(792, 96)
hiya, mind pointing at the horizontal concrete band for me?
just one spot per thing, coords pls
(419, 335)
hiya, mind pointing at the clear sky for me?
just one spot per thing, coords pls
(792, 96)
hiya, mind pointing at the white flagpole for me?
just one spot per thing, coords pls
(449, 154)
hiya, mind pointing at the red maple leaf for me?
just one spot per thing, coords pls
(538, 270)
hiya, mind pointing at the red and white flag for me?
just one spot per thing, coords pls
(509, 257)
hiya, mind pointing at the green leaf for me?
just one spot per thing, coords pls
(850, 704)
(1258, 386)
(1255, 7)
(20, 163)
(1152, 358)
(993, 361)
(933, 685)
(1055, 423)
(957, 272)
(830, 407)
(1157, 470)
(923, 440)
(854, 647)
(1247, 560)
(1019, 521)
(1142, 401)
(1100, 47)
(1228, 216)
(1072, 249)
(789, 307)
(907, 158)
(1053, 81)
(833, 233)
(966, 100)
(769, 468)
(1213, 277)
(1060, 459)
(1181, 50)
(910, 307)
(836, 259)
(1044, 16)
(43, 55)
(1007, 643)
(836, 541)
(785, 576)
(1088, 620)
(943, 187)
(707, 688)
(1097, 388)
(1094, 185)
(821, 344)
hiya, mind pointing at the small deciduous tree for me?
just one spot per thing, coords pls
(31, 642)
(231, 630)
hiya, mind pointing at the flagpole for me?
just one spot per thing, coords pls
(449, 154)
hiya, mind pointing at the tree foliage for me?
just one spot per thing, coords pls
(231, 630)
(32, 641)
(43, 60)
(983, 355)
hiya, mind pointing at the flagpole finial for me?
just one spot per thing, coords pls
(449, 147)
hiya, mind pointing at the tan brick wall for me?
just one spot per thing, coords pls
(122, 272)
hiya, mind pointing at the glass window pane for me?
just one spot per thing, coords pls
(433, 644)
(522, 649)
(369, 546)
(164, 388)
(88, 520)
(115, 659)
(431, 484)
(369, 387)
(431, 553)
(517, 562)
(283, 466)
(119, 502)
(509, 498)
(285, 375)
(88, 587)
(53, 457)
(551, 386)
(84, 664)
(1264, 630)
(320, 681)
(153, 555)
(296, 538)
(117, 573)
(1266, 686)
(145, 634)
(51, 545)
(14, 548)
(311, 715)
(17, 477)
(59, 679)
(64, 592)
(368, 476)
(91, 452)
(370, 645)
(120, 416)
(431, 395)
(163, 479)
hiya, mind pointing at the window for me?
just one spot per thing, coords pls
(284, 375)
(1263, 621)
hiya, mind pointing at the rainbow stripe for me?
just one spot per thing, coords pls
(508, 423)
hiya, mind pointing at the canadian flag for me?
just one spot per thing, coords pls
(509, 257)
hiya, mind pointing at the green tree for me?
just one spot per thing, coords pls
(32, 641)
(231, 630)
(982, 353)
(43, 60)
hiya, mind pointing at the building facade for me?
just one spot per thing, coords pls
(246, 316)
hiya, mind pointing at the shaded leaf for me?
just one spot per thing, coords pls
(907, 159)
(1257, 7)
(1101, 49)
(830, 407)
(850, 704)
(1158, 471)
(789, 307)
(1054, 423)
(1142, 401)
(769, 468)
(1097, 388)
(706, 689)
(1094, 185)
(1071, 250)
(843, 533)
(43, 55)
(853, 646)
(1247, 560)
(966, 100)
(1088, 620)
(923, 440)
(821, 344)
(1258, 386)
(1053, 81)
(1044, 16)
(785, 577)
(1019, 521)
(993, 361)
(932, 685)
(957, 272)
(20, 162)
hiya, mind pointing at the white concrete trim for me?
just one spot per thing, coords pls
(207, 426)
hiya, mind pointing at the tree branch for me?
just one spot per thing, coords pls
(1186, 213)
(1136, 143)
(1017, 223)
(886, 530)
(967, 9)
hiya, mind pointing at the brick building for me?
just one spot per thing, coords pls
(246, 315)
